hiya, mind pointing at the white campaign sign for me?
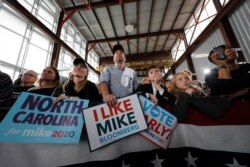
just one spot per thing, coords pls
(106, 124)
(161, 123)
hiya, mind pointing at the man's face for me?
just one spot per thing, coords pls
(154, 74)
(119, 57)
(29, 76)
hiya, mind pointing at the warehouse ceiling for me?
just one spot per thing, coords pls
(147, 29)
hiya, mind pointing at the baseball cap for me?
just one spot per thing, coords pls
(117, 47)
(79, 60)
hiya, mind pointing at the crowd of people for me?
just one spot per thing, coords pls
(228, 82)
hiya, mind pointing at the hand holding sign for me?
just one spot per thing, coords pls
(37, 119)
(107, 124)
(161, 123)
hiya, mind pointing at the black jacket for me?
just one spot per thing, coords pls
(211, 106)
(165, 98)
(89, 92)
(240, 80)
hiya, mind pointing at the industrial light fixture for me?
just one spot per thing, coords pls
(129, 27)
(206, 71)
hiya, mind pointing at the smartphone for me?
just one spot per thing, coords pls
(220, 53)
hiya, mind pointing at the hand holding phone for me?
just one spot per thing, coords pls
(220, 53)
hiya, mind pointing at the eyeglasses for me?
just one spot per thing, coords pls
(31, 75)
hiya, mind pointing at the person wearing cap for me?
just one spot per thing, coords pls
(78, 86)
(117, 81)
(229, 79)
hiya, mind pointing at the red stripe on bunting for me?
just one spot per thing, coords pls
(237, 114)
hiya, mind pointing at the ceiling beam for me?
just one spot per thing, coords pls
(147, 35)
(150, 22)
(112, 22)
(96, 5)
(230, 7)
(182, 4)
(158, 55)
(162, 22)
(137, 25)
(16, 6)
(124, 24)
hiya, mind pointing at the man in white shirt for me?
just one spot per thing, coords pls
(117, 81)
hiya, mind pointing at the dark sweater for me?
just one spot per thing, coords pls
(6, 88)
(211, 106)
(240, 80)
(89, 92)
(165, 99)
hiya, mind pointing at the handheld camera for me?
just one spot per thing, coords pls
(220, 53)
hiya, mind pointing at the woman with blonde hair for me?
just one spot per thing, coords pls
(78, 86)
(188, 96)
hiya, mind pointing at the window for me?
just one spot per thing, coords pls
(224, 2)
(194, 28)
(74, 39)
(22, 43)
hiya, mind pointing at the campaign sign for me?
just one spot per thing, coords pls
(36, 119)
(161, 123)
(108, 124)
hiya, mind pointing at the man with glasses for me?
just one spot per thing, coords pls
(27, 81)
(230, 79)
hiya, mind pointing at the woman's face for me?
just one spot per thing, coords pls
(79, 70)
(182, 81)
(48, 74)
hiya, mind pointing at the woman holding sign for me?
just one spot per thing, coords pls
(78, 86)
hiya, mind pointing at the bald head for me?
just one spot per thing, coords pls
(30, 76)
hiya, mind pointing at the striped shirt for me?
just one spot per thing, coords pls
(6, 88)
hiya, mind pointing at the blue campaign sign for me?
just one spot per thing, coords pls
(37, 119)
(161, 123)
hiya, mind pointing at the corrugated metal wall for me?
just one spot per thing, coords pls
(182, 66)
(241, 26)
(200, 54)
(240, 23)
